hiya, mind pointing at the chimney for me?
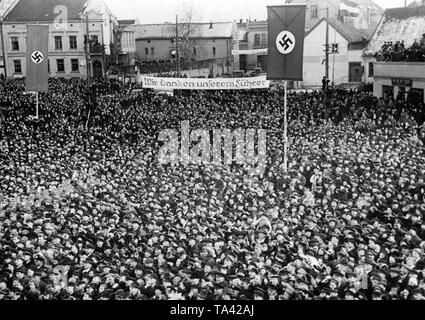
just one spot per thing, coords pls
(211, 25)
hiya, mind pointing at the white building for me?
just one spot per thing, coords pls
(345, 65)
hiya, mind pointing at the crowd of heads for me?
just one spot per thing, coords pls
(88, 213)
(398, 52)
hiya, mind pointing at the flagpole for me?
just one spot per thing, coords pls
(285, 129)
(88, 119)
(36, 105)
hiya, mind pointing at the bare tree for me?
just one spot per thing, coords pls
(187, 32)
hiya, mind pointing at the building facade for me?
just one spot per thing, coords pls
(200, 45)
(345, 63)
(5, 7)
(69, 23)
(367, 13)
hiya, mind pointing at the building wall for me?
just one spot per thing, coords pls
(257, 30)
(369, 62)
(204, 49)
(97, 10)
(5, 5)
(76, 28)
(314, 57)
(368, 17)
(385, 72)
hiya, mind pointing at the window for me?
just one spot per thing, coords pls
(152, 51)
(58, 43)
(257, 40)
(18, 66)
(369, 16)
(214, 51)
(61, 65)
(74, 65)
(15, 44)
(48, 65)
(194, 51)
(147, 51)
(149, 41)
(314, 12)
(371, 69)
(73, 42)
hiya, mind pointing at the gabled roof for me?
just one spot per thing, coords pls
(44, 10)
(200, 30)
(351, 34)
(398, 24)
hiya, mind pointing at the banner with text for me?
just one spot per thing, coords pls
(205, 84)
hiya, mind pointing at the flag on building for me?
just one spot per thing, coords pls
(286, 25)
(37, 58)
(348, 8)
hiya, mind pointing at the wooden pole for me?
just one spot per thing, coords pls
(177, 46)
(36, 105)
(285, 129)
(88, 118)
(327, 64)
(88, 57)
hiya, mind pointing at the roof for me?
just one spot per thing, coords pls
(347, 31)
(416, 3)
(44, 10)
(126, 22)
(405, 13)
(398, 24)
(200, 30)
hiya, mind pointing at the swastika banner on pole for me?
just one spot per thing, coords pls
(37, 58)
(286, 25)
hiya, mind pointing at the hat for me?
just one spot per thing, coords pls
(258, 291)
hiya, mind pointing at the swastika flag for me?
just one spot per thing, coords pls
(37, 58)
(286, 25)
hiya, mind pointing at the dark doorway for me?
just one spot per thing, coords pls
(388, 92)
(97, 69)
(262, 63)
(242, 62)
(355, 72)
(416, 96)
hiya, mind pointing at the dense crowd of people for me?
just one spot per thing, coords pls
(88, 213)
(398, 52)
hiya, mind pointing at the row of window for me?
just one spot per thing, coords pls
(214, 51)
(73, 45)
(60, 65)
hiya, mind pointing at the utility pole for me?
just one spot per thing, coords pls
(3, 48)
(177, 46)
(88, 58)
(327, 44)
(327, 63)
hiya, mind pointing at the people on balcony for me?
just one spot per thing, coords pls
(397, 52)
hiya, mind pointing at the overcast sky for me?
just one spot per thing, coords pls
(158, 11)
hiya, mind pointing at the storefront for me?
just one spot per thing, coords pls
(405, 81)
